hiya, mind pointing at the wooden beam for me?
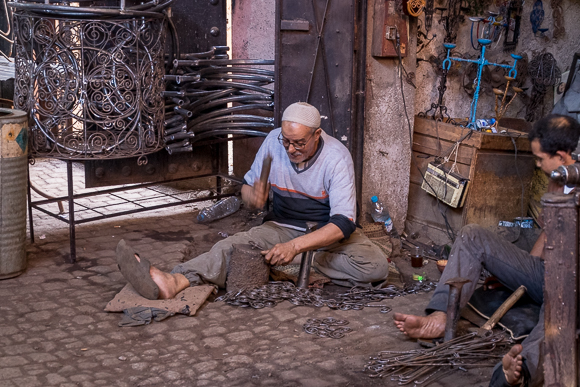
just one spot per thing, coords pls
(560, 290)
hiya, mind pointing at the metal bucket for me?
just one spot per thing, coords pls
(13, 179)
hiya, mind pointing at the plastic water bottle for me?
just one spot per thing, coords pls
(221, 209)
(484, 124)
(381, 214)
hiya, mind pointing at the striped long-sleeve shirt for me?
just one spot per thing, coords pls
(322, 192)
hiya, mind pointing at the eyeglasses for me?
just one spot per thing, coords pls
(298, 146)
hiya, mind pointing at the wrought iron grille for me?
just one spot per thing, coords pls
(93, 87)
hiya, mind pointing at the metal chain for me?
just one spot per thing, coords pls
(357, 298)
(439, 110)
(327, 327)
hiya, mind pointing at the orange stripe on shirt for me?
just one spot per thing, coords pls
(301, 193)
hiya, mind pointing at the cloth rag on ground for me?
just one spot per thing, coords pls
(138, 308)
(141, 315)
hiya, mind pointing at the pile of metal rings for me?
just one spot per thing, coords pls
(357, 298)
(327, 327)
(209, 96)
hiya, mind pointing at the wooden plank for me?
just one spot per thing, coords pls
(504, 142)
(445, 131)
(423, 208)
(480, 140)
(496, 189)
(428, 146)
(560, 291)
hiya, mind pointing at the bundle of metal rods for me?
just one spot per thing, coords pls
(424, 366)
(210, 96)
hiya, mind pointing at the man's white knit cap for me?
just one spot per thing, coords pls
(302, 113)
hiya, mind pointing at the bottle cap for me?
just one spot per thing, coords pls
(374, 199)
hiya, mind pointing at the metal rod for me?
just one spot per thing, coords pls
(31, 224)
(71, 212)
(455, 286)
(306, 262)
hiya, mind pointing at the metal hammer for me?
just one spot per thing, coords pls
(306, 262)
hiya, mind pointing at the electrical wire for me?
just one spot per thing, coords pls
(449, 230)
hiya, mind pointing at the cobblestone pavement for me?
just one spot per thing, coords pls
(53, 330)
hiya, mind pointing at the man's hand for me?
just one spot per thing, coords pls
(281, 254)
(255, 196)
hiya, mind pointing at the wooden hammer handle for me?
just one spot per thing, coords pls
(266, 165)
(507, 304)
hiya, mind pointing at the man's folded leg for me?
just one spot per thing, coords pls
(211, 267)
(356, 261)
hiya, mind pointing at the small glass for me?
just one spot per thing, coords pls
(417, 257)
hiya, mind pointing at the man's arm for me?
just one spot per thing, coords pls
(538, 249)
(284, 253)
(255, 196)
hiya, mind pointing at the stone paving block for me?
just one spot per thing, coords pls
(156, 380)
(214, 342)
(34, 369)
(239, 373)
(240, 336)
(41, 357)
(214, 330)
(29, 381)
(12, 361)
(205, 366)
(6, 330)
(171, 375)
(238, 359)
(10, 372)
(18, 349)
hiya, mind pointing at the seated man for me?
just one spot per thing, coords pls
(553, 139)
(312, 178)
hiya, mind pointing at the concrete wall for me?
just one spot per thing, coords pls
(387, 151)
(253, 29)
(457, 100)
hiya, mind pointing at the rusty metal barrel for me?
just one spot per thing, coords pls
(13, 180)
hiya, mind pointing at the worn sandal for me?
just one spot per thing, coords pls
(135, 272)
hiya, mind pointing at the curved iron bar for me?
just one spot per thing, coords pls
(232, 109)
(233, 119)
(233, 70)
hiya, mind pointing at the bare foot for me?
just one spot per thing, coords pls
(512, 365)
(169, 284)
(418, 327)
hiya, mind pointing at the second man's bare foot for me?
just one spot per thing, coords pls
(169, 284)
(512, 365)
(419, 327)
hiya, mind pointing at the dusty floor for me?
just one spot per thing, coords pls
(53, 330)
